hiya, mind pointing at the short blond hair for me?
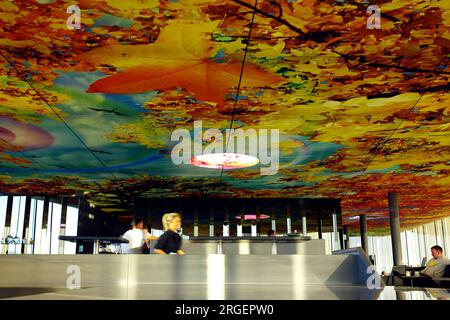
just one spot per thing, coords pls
(168, 217)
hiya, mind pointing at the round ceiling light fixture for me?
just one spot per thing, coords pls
(224, 160)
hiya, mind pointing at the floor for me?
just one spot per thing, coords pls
(195, 277)
(229, 292)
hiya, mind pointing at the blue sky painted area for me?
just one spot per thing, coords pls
(67, 156)
(110, 20)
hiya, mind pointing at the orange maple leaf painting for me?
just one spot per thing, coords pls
(179, 58)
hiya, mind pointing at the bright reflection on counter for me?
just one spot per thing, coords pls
(299, 274)
(129, 274)
(133, 276)
(244, 247)
(216, 277)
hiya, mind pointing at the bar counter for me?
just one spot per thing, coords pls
(254, 245)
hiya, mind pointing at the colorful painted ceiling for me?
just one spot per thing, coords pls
(360, 110)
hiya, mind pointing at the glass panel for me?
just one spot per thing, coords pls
(71, 229)
(45, 239)
(31, 226)
(44, 242)
(370, 246)
(421, 243)
(55, 227)
(328, 237)
(439, 235)
(413, 248)
(382, 249)
(38, 226)
(3, 204)
(354, 242)
(404, 245)
(430, 238)
(17, 219)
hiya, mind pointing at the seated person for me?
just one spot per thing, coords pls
(435, 267)
(438, 293)
(136, 237)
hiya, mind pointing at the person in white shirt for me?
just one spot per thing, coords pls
(136, 237)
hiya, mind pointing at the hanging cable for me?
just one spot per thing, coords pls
(59, 117)
(238, 89)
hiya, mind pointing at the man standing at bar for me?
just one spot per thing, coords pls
(136, 237)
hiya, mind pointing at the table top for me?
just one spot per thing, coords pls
(408, 268)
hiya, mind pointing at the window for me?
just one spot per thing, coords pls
(37, 229)
(416, 244)
(17, 220)
(71, 229)
(37, 236)
(3, 204)
(54, 226)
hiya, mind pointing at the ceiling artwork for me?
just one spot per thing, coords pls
(89, 103)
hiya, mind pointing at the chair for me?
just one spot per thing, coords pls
(446, 272)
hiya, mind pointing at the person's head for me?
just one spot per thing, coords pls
(171, 221)
(436, 251)
(137, 223)
(271, 233)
